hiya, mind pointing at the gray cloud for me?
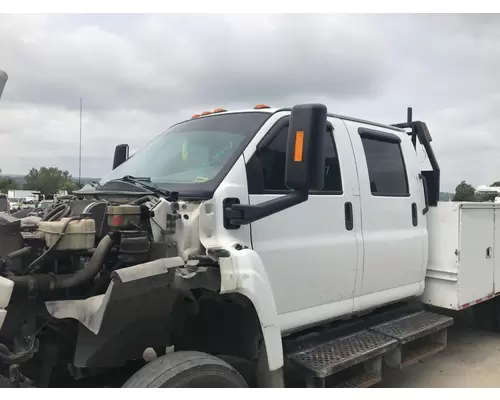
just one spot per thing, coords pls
(140, 73)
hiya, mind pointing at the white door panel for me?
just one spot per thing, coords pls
(393, 247)
(310, 256)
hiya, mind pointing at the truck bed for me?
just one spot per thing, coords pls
(462, 268)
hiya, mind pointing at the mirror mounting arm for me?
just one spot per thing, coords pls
(236, 214)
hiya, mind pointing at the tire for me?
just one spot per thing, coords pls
(186, 369)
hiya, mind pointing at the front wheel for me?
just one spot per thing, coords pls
(186, 369)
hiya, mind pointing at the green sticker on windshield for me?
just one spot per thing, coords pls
(201, 179)
(185, 151)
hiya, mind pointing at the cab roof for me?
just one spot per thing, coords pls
(260, 108)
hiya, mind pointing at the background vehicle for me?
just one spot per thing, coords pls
(29, 196)
(15, 204)
(263, 247)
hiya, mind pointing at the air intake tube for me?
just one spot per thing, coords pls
(33, 286)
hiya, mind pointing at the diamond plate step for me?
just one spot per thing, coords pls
(413, 326)
(327, 358)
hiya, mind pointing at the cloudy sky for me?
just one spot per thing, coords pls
(138, 74)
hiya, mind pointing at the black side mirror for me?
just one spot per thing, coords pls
(305, 160)
(121, 155)
(3, 81)
(305, 156)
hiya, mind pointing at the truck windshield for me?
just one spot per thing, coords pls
(192, 152)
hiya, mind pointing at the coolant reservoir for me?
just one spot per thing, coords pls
(79, 234)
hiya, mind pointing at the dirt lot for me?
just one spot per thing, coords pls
(472, 360)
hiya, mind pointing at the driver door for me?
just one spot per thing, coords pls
(311, 251)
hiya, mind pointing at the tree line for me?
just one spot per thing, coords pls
(47, 180)
(466, 192)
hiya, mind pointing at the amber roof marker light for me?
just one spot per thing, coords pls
(220, 110)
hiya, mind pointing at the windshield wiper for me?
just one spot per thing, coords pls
(141, 181)
(136, 178)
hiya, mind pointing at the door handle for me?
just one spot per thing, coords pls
(426, 194)
(414, 214)
(488, 252)
(349, 219)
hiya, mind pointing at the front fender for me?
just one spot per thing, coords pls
(243, 272)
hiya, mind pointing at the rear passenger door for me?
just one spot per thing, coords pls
(310, 250)
(394, 229)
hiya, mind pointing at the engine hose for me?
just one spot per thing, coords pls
(17, 253)
(61, 214)
(56, 210)
(141, 200)
(93, 267)
(33, 285)
(16, 358)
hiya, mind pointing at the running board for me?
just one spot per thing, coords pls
(326, 359)
(355, 358)
(419, 335)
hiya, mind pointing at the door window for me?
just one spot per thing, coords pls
(266, 168)
(386, 167)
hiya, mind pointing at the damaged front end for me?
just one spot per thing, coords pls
(91, 285)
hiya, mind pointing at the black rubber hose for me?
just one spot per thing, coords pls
(17, 253)
(54, 212)
(61, 214)
(16, 358)
(93, 267)
(141, 200)
(46, 283)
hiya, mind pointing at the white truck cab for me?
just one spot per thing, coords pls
(341, 252)
(268, 244)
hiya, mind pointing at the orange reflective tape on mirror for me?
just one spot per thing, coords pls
(299, 146)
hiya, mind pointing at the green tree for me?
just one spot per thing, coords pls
(7, 183)
(70, 186)
(48, 180)
(464, 192)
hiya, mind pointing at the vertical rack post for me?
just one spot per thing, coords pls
(80, 148)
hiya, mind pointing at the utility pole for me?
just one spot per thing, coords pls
(80, 148)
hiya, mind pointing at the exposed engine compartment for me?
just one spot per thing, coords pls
(70, 256)
(77, 243)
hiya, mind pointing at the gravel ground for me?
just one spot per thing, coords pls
(471, 360)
